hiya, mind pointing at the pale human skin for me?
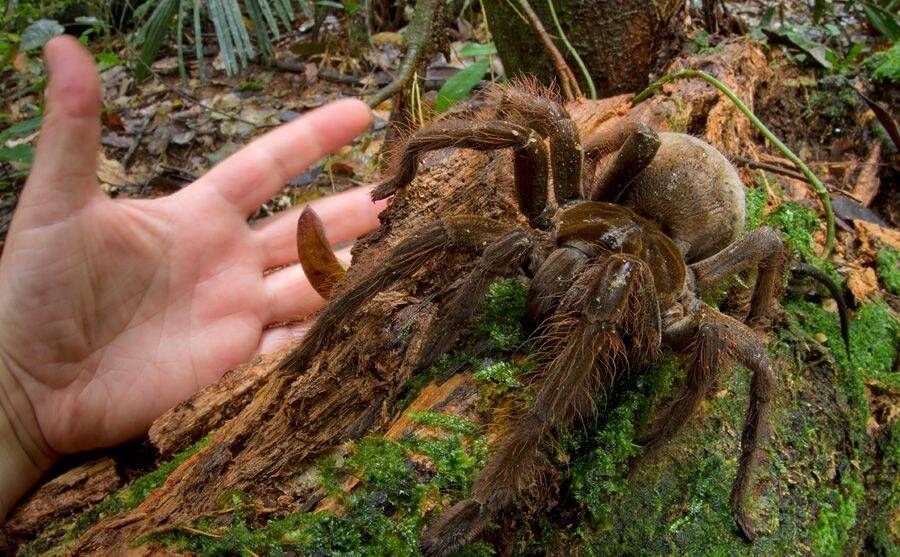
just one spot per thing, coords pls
(113, 310)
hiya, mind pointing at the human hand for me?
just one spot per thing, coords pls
(113, 310)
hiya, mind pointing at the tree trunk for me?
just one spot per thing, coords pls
(619, 41)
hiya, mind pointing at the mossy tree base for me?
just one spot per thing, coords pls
(340, 439)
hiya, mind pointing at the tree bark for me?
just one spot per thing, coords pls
(619, 41)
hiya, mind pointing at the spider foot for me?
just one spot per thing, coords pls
(746, 525)
(454, 529)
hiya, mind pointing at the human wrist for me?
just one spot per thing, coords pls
(24, 454)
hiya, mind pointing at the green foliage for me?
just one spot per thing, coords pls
(154, 33)
(883, 20)
(381, 517)
(810, 49)
(38, 33)
(885, 66)
(230, 20)
(474, 50)
(23, 152)
(700, 44)
(888, 261)
(502, 317)
(460, 84)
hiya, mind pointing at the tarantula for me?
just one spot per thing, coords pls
(615, 263)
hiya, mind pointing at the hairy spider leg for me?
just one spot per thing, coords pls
(706, 358)
(499, 259)
(549, 119)
(319, 264)
(530, 159)
(763, 247)
(632, 158)
(718, 341)
(553, 278)
(461, 232)
(609, 298)
(750, 353)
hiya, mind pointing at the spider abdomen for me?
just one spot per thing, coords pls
(693, 193)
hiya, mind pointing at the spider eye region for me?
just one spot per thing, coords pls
(609, 228)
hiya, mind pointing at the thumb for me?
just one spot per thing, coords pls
(64, 175)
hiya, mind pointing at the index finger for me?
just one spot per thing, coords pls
(250, 177)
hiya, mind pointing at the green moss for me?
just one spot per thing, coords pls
(831, 532)
(117, 502)
(417, 382)
(888, 265)
(503, 375)
(456, 456)
(601, 474)
(797, 223)
(131, 496)
(383, 516)
(836, 105)
(250, 86)
(502, 316)
(756, 207)
(874, 337)
(885, 65)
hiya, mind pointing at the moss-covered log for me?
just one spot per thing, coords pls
(359, 452)
(619, 41)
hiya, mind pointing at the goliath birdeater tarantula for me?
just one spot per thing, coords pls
(616, 261)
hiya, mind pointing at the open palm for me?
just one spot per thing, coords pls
(113, 310)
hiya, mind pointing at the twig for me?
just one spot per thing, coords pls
(775, 169)
(126, 160)
(817, 184)
(419, 33)
(194, 100)
(567, 81)
(572, 51)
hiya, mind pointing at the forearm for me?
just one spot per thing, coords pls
(24, 456)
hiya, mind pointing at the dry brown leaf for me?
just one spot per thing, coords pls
(862, 282)
(867, 181)
(386, 38)
(111, 172)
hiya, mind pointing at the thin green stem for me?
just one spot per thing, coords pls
(182, 70)
(572, 51)
(198, 40)
(785, 150)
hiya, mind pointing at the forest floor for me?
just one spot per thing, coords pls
(828, 485)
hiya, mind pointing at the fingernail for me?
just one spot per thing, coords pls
(50, 56)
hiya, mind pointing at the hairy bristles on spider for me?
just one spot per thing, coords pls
(615, 259)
